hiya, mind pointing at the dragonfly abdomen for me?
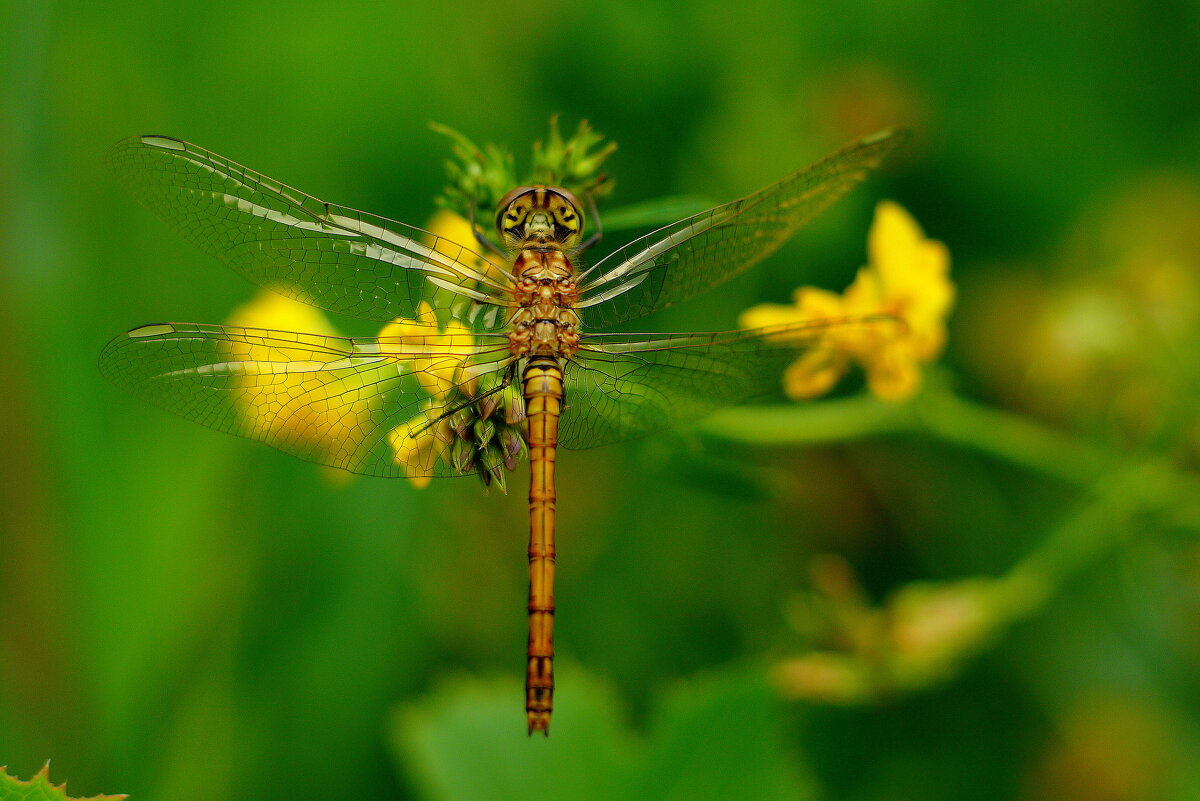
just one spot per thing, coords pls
(542, 387)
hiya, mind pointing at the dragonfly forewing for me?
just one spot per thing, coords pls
(676, 262)
(331, 256)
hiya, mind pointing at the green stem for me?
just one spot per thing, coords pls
(1120, 487)
(947, 417)
(1096, 528)
(1012, 438)
(816, 424)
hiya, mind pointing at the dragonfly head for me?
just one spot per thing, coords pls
(532, 216)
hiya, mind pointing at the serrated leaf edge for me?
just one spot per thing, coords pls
(44, 775)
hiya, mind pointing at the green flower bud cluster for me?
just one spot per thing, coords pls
(489, 431)
(481, 176)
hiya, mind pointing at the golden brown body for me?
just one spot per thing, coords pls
(543, 391)
(544, 330)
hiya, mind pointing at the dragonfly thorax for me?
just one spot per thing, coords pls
(545, 322)
(539, 217)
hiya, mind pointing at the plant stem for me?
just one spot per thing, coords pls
(1120, 487)
(942, 415)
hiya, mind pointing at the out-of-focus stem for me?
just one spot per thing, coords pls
(1118, 491)
(942, 415)
(1013, 438)
(1119, 486)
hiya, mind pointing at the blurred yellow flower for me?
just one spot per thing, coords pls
(919, 636)
(908, 279)
(437, 361)
(434, 354)
(437, 358)
(269, 309)
(303, 397)
(1098, 334)
(418, 445)
(452, 232)
(824, 677)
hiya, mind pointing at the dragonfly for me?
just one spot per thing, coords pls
(465, 325)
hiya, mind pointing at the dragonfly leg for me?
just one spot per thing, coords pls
(594, 238)
(482, 238)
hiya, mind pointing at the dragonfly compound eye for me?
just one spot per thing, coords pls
(539, 215)
(567, 218)
(512, 213)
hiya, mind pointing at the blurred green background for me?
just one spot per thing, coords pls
(185, 615)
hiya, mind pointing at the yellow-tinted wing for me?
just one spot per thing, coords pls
(697, 253)
(360, 404)
(331, 256)
(623, 386)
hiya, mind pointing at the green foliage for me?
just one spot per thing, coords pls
(481, 176)
(710, 738)
(39, 788)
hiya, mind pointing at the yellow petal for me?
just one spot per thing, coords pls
(304, 407)
(268, 309)
(452, 231)
(425, 314)
(893, 373)
(894, 242)
(813, 374)
(456, 239)
(818, 304)
(865, 295)
(769, 314)
(435, 356)
(417, 453)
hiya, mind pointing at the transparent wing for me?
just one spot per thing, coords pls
(694, 254)
(362, 405)
(623, 386)
(333, 257)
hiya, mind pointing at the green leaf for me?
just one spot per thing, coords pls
(717, 738)
(712, 738)
(468, 742)
(654, 213)
(39, 788)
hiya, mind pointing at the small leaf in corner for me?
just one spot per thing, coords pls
(39, 788)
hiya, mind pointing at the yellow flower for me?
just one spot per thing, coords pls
(419, 445)
(908, 279)
(437, 361)
(452, 233)
(309, 418)
(437, 358)
(436, 355)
